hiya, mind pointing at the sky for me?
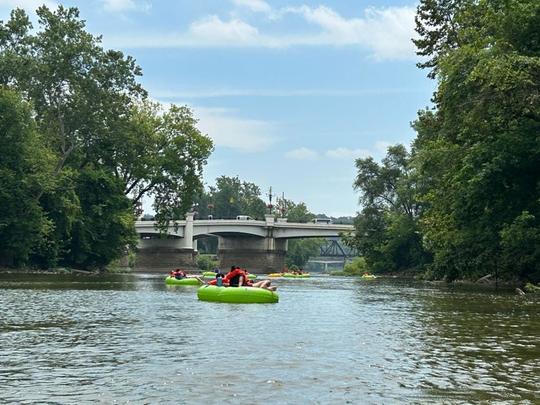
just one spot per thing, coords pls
(291, 92)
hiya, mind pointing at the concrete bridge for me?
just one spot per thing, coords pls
(259, 246)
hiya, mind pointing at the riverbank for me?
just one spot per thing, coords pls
(58, 270)
(486, 282)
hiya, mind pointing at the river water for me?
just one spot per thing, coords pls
(130, 338)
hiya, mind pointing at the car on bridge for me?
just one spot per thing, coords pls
(243, 217)
(322, 221)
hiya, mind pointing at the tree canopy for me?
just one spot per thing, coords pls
(471, 188)
(231, 197)
(103, 144)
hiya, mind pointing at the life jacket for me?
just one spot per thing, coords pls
(233, 278)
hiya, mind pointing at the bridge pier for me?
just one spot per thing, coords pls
(164, 254)
(163, 260)
(257, 255)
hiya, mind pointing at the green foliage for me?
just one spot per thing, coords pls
(207, 262)
(531, 288)
(99, 141)
(105, 229)
(78, 89)
(387, 231)
(355, 268)
(183, 151)
(299, 213)
(477, 153)
(231, 197)
(62, 205)
(25, 167)
(300, 250)
(520, 247)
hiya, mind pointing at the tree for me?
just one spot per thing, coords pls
(176, 176)
(104, 230)
(92, 114)
(478, 150)
(25, 169)
(231, 197)
(387, 232)
(76, 87)
(295, 212)
(437, 23)
(300, 250)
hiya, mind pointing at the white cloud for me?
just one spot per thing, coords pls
(385, 32)
(216, 32)
(258, 6)
(29, 5)
(229, 131)
(115, 6)
(302, 154)
(345, 153)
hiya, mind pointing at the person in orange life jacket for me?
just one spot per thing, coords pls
(239, 278)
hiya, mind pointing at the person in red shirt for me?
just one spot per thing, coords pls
(238, 277)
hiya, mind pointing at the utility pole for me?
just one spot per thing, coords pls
(283, 208)
(269, 194)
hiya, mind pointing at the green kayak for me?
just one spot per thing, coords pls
(240, 295)
(182, 281)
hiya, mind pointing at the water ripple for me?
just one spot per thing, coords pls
(328, 340)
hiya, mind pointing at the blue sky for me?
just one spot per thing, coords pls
(291, 92)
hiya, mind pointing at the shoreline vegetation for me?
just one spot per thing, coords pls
(459, 203)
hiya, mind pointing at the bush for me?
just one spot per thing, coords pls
(207, 262)
(354, 268)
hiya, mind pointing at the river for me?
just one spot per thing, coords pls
(130, 338)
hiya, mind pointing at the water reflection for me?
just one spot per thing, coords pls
(132, 338)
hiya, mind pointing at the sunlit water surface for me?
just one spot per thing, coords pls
(80, 339)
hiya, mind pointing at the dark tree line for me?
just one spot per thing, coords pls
(81, 144)
(465, 201)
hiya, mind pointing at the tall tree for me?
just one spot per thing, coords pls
(93, 115)
(478, 150)
(387, 231)
(76, 87)
(232, 197)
